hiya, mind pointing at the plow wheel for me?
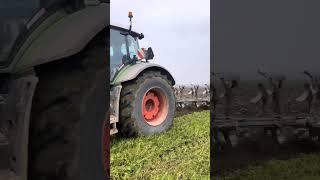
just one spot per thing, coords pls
(147, 105)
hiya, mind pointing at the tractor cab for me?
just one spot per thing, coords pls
(142, 89)
(124, 48)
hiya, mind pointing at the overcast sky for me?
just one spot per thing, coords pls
(178, 32)
(283, 36)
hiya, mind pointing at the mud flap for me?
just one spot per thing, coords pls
(17, 116)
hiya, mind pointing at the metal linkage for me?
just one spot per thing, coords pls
(307, 96)
(275, 83)
(311, 91)
(228, 83)
(206, 91)
(179, 91)
(265, 93)
(261, 98)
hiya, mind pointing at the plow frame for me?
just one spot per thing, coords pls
(227, 123)
(192, 96)
(224, 127)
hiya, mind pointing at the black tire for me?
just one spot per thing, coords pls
(132, 122)
(68, 116)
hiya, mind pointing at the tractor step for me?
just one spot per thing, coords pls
(7, 175)
(114, 108)
(113, 125)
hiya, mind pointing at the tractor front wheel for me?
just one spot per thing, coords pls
(147, 105)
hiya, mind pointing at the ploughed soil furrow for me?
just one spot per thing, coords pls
(189, 110)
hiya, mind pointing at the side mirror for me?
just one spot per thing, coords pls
(149, 54)
(141, 36)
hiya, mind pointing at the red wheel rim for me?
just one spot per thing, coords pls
(155, 107)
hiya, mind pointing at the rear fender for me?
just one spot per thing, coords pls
(130, 72)
(61, 35)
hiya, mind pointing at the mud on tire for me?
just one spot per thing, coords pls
(136, 117)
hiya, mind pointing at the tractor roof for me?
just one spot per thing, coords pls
(121, 28)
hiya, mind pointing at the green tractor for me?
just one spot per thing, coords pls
(142, 96)
(53, 89)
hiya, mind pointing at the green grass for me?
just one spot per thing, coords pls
(305, 167)
(181, 153)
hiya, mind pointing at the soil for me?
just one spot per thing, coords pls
(248, 153)
(189, 110)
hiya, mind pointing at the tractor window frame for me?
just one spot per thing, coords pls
(123, 42)
(115, 68)
(129, 39)
(116, 62)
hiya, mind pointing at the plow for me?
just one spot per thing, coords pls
(194, 96)
(275, 112)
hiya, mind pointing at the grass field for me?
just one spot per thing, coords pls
(305, 167)
(181, 153)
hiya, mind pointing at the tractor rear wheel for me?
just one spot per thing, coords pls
(147, 105)
(68, 129)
